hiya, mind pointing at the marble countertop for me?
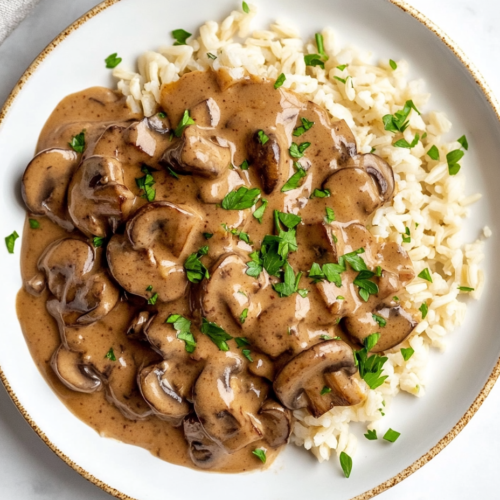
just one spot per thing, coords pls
(466, 469)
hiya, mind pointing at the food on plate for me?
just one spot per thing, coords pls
(235, 250)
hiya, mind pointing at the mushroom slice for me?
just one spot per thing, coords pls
(227, 401)
(198, 155)
(73, 373)
(277, 423)
(266, 159)
(203, 451)
(98, 200)
(166, 399)
(141, 136)
(159, 123)
(396, 260)
(398, 326)
(316, 244)
(379, 170)
(302, 380)
(45, 183)
(138, 324)
(206, 113)
(162, 224)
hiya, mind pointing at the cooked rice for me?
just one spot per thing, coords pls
(428, 200)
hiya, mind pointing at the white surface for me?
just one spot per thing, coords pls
(465, 469)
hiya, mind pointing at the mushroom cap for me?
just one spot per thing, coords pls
(98, 200)
(206, 113)
(45, 184)
(140, 135)
(299, 383)
(266, 159)
(159, 124)
(276, 423)
(73, 373)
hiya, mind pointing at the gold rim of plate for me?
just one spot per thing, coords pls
(480, 81)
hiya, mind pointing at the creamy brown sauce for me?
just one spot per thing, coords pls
(80, 301)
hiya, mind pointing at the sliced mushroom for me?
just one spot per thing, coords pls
(206, 113)
(73, 372)
(266, 160)
(203, 451)
(398, 326)
(316, 244)
(227, 401)
(45, 183)
(397, 261)
(98, 200)
(159, 123)
(277, 423)
(141, 136)
(138, 324)
(198, 155)
(301, 381)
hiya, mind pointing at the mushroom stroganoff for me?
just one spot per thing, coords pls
(207, 269)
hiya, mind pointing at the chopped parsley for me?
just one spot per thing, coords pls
(183, 328)
(330, 215)
(391, 436)
(407, 352)
(195, 270)
(244, 165)
(77, 142)
(110, 355)
(407, 236)
(303, 292)
(152, 300)
(314, 60)
(180, 36)
(149, 288)
(97, 241)
(241, 341)
(186, 120)
(243, 315)
(146, 184)
(302, 129)
(240, 234)
(465, 289)
(425, 275)
(10, 241)
(241, 199)
(371, 435)
(260, 454)
(34, 224)
(403, 143)
(245, 7)
(370, 367)
(342, 67)
(289, 220)
(366, 287)
(207, 236)
(381, 321)
(280, 81)
(346, 463)
(255, 266)
(433, 153)
(294, 181)
(393, 64)
(424, 309)
(399, 121)
(297, 151)
(247, 353)
(112, 61)
(342, 80)
(263, 138)
(321, 193)
(290, 282)
(321, 46)
(330, 272)
(216, 334)
(463, 142)
(259, 213)
(211, 56)
(453, 157)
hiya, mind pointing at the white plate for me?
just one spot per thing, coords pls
(456, 381)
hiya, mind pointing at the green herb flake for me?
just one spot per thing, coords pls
(10, 241)
(260, 454)
(152, 300)
(280, 81)
(381, 321)
(399, 121)
(346, 464)
(393, 64)
(424, 309)
(77, 142)
(320, 43)
(294, 181)
(241, 341)
(98, 241)
(255, 266)
(407, 352)
(396, 298)
(325, 390)
(211, 56)
(403, 143)
(149, 288)
(180, 36)
(216, 334)
(371, 435)
(290, 282)
(330, 215)
(314, 60)
(243, 315)
(244, 165)
(195, 270)
(426, 275)
(146, 183)
(433, 153)
(241, 199)
(463, 142)
(207, 236)
(263, 138)
(303, 292)
(391, 436)
(112, 61)
(110, 355)
(465, 289)
(342, 80)
(259, 212)
(297, 150)
(172, 173)
(452, 158)
(186, 120)
(34, 224)
(247, 353)
(289, 220)
(302, 129)
(325, 337)
(183, 328)
(342, 67)
(321, 193)
(370, 367)
(407, 236)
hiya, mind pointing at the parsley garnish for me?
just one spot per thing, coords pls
(244, 165)
(453, 157)
(381, 321)
(263, 138)
(211, 56)
(180, 36)
(342, 80)
(393, 64)
(289, 220)
(247, 354)
(371, 435)
(113, 61)
(146, 184)
(207, 236)
(195, 270)
(97, 241)
(243, 315)
(342, 67)
(34, 224)
(370, 368)
(314, 60)
(110, 355)
(186, 120)
(463, 142)
(216, 334)
(241, 199)
(241, 341)
(293, 182)
(321, 193)
(297, 151)
(175, 175)
(77, 142)
(330, 272)
(330, 215)
(433, 153)
(366, 287)
(403, 143)
(424, 309)
(255, 266)
(407, 236)
(346, 464)
(325, 390)
(280, 81)
(391, 436)
(245, 7)
(183, 327)
(465, 289)
(149, 288)
(407, 352)
(325, 337)
(152, 300)
(321, 47)
(303, 292)
(399, 121)
(290, 284)
(10, 241)
(240, 234)
(425, 275)
(302, 129)
(259, 213)
(260, 454)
